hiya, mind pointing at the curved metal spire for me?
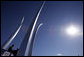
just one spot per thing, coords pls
(33, 39)
(31, 34)
(13, 36)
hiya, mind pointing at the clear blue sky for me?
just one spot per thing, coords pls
(50, 40)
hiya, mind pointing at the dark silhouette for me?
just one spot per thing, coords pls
(15, 52)
(10, 48)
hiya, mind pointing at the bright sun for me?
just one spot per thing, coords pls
(72, 30)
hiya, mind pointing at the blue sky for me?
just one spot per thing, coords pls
(55, 16)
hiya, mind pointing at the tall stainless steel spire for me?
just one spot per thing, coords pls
(31, 34)
(7, 43)
(33, 39)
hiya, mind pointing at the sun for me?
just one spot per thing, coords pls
(72, 30)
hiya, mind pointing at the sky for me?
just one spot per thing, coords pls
(51, 38)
